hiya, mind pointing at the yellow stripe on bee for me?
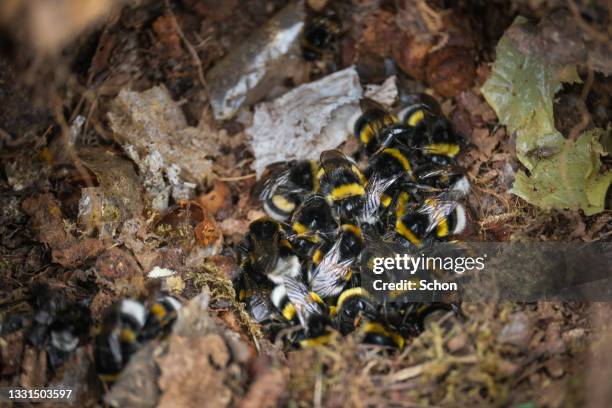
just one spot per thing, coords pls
(158, 310)
(315, 298)
(416, 118)
(407, 233)
(385, 200)
(314, 170)
(401, 204)
(285, 242)
(289, 312)
(377, 328)
(442, 229)
(282, 203)
(299, 228)
(352, 292)
(362, 178)
(127, 336)
(316, 341)
(345, 191)
(333, 310)
(349, 273)
(366, 134)
(445, 149)
(317, 256)
(396, 154)
(351, 228)
(320, 173)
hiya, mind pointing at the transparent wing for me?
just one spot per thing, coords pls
(299, 296)
(333, 159)
(439, 206)
(330, 272)
(374, 190)
(367, 104)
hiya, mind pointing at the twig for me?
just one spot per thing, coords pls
(596, 34)
(237, 178)
(188, 45)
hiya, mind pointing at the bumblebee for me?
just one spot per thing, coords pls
(161, 315)
(267, 253)
(280, 299)
(58, 326)
(352, 306)
(284, 191)
(342, 184)
(419, 110)
(437, 143)
(428, 313)
(312, 313)
(449, 178)
(369, 126)
(446, 218)
(312, 223)
(376, 333)
(117, 338)
(319, 34)
(333, 271)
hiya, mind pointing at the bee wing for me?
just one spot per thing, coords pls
(299, 296)
(333, 159)
(377, 245)
(273, 183)
(429, 172)
(330, 271)
(374, 190)
(439, 207)
(266, 251)
(367, 104)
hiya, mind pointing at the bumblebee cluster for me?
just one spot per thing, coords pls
(300, 265)
(127, 326)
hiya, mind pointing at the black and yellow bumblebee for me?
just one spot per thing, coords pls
(373, 121)
(419, 109)
(313, 223)
(267, 254)
(319, 34)
(284, 191)
(58, 326)
(117, 338)
(280, 300)
(445, 218)
(353, 307)
(312, 313)
(377, 333)
(161, 315)
(342, 184)
(334, 270)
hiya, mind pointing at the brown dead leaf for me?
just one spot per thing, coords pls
(116, 263)
(192, 372)
(217, 200)
(378, 33)
(168, 39)
(47, 222)
(234, 229)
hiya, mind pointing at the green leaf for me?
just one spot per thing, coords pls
(570, 179)
(521, 90)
